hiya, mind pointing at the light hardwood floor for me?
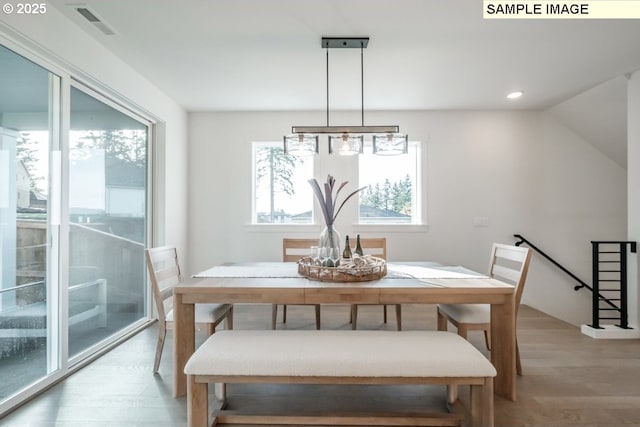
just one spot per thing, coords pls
(569, 379)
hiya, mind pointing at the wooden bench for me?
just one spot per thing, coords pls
(339, 357)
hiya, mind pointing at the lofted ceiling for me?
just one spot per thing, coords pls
(423, 54)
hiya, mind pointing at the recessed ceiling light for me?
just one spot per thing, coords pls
(515, 95)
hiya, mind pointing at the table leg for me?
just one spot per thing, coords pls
(184, 342)
(503, 347)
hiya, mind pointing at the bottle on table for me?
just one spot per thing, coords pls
(346, 254)
(358, 250)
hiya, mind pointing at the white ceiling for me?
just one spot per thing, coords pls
(423, 54)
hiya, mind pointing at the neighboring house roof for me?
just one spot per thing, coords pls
(37, 200)
(371, 212)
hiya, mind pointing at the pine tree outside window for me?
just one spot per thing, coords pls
(392, 193)
(282, 194)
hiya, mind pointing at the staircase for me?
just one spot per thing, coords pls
(609, 287)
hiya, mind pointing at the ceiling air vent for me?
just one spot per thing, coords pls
(94, 20)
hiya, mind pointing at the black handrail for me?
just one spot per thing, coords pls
(554, 262)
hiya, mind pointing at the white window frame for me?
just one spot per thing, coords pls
(418, 222)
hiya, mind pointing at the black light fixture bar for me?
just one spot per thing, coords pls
(345, 42)
(345, 129)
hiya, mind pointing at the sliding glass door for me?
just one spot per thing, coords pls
(107, 220)
(74, 192)
(28, 230)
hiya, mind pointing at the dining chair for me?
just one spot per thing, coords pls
(376, 246)
(507, 263)
(292, 251)
(165, 274)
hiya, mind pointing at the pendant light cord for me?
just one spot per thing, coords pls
(362, 80)
(327, 86)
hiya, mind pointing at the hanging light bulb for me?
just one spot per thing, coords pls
(301, 144)
(346, 144)
(390, 144)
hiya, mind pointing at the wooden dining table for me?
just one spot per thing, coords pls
(280, 283)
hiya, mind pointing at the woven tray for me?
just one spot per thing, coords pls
(371, 268)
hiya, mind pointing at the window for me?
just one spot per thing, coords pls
(392, 188)
(282, 194)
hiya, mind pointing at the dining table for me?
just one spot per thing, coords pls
(404, 283)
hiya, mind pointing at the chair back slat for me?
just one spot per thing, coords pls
(164, 274)
(501, 272)
(510, 263)
(513, 253)
(374, 246)
(295, 249)
(172, 272)
(166, 293)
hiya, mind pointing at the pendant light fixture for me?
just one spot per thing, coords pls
(301, 144)
(346, 140)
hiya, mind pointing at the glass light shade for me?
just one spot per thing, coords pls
(390, 144)
(346, 144)
(301, 144)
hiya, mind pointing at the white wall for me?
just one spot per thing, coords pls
(524, 171)
(55, 39)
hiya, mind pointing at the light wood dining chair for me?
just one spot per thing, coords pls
(507, 263)
(165, 274)
(375, 246)
(292, 251)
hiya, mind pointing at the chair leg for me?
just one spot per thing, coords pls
(487, 338)
(518, 363)
(318, 316)
(351, 314)
(442, 322)
(211, 328)
(384, 312)
(462, 331)
(399, 316)
(354, 316)
(223, 391)
(161, 335)
(274, 315)
(452, 393)
(229, 319)
(284, 313)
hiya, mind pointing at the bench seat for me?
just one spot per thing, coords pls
(339, 357)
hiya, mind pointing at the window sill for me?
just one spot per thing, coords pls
(391, 228)
(280, 228)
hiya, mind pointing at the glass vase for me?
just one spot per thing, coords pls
(329, 240)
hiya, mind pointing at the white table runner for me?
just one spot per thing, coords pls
(409, 270)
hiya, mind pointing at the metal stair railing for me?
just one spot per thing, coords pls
(610, 250)
(598, 298)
